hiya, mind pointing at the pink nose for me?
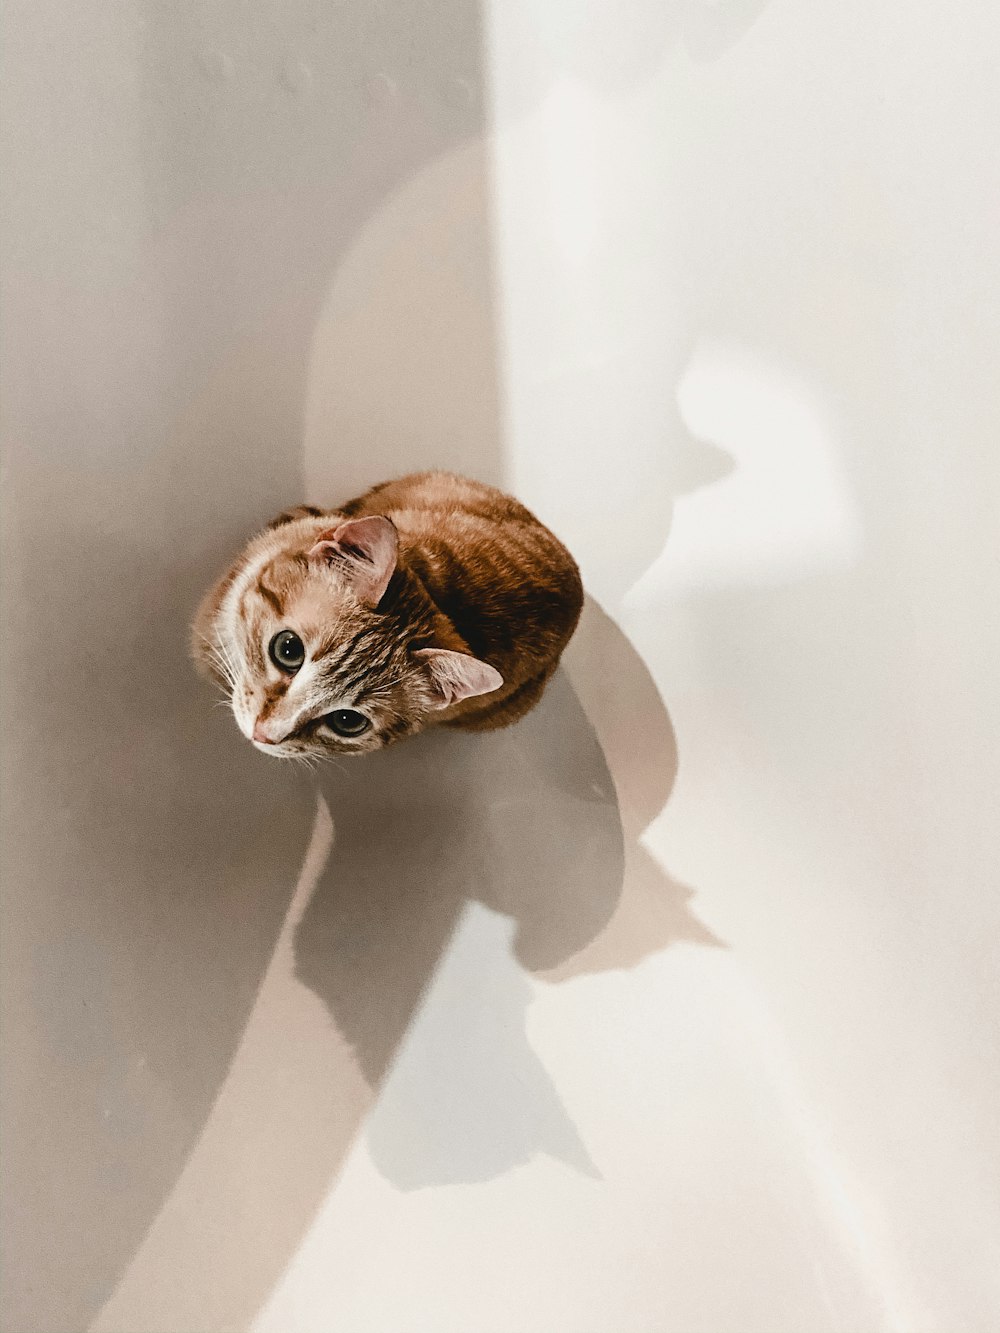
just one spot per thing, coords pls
(261, 733)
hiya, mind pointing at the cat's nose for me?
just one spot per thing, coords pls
(261, 733)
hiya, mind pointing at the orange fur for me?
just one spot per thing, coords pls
(474, 573)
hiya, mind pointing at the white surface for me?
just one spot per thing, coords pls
(717, 293)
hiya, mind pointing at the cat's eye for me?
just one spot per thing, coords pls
(286, 650)
(347, 722)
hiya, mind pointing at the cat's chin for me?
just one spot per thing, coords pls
(278, 751)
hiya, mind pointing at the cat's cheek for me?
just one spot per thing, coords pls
(378, 740)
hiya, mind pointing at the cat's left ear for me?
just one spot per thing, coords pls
(457, 676)
(365, 551)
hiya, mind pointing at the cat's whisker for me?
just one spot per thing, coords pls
(229, 660)
(220, 651)
(212, 646)
(230, 676)
(227, 693)
(223, 665)
(386, 684)
(227, 686)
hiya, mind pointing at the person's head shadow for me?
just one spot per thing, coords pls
(539, 825)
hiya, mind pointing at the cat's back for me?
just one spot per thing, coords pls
(505, 581)
(442, 496)
(441, 516)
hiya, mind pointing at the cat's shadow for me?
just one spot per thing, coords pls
(463, 862)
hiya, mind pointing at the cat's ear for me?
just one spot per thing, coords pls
(456, 676)
(364, 550)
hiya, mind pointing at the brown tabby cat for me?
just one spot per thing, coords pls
(431, 599)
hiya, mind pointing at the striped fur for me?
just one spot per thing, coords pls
(475, 574)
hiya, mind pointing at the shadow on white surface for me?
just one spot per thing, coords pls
(528, 823)
(422, 1030)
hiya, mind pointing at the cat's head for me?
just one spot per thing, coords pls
(320, 650)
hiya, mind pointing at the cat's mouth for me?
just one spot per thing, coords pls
(260, 740)
(280, 750)
(268, 747)
(288, 746)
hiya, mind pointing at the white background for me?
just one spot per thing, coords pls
(714, 288)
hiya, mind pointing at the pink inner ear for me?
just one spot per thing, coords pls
(457, 676)
(365, 551)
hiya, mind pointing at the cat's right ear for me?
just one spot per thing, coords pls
(457, 676)
(364, 551)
